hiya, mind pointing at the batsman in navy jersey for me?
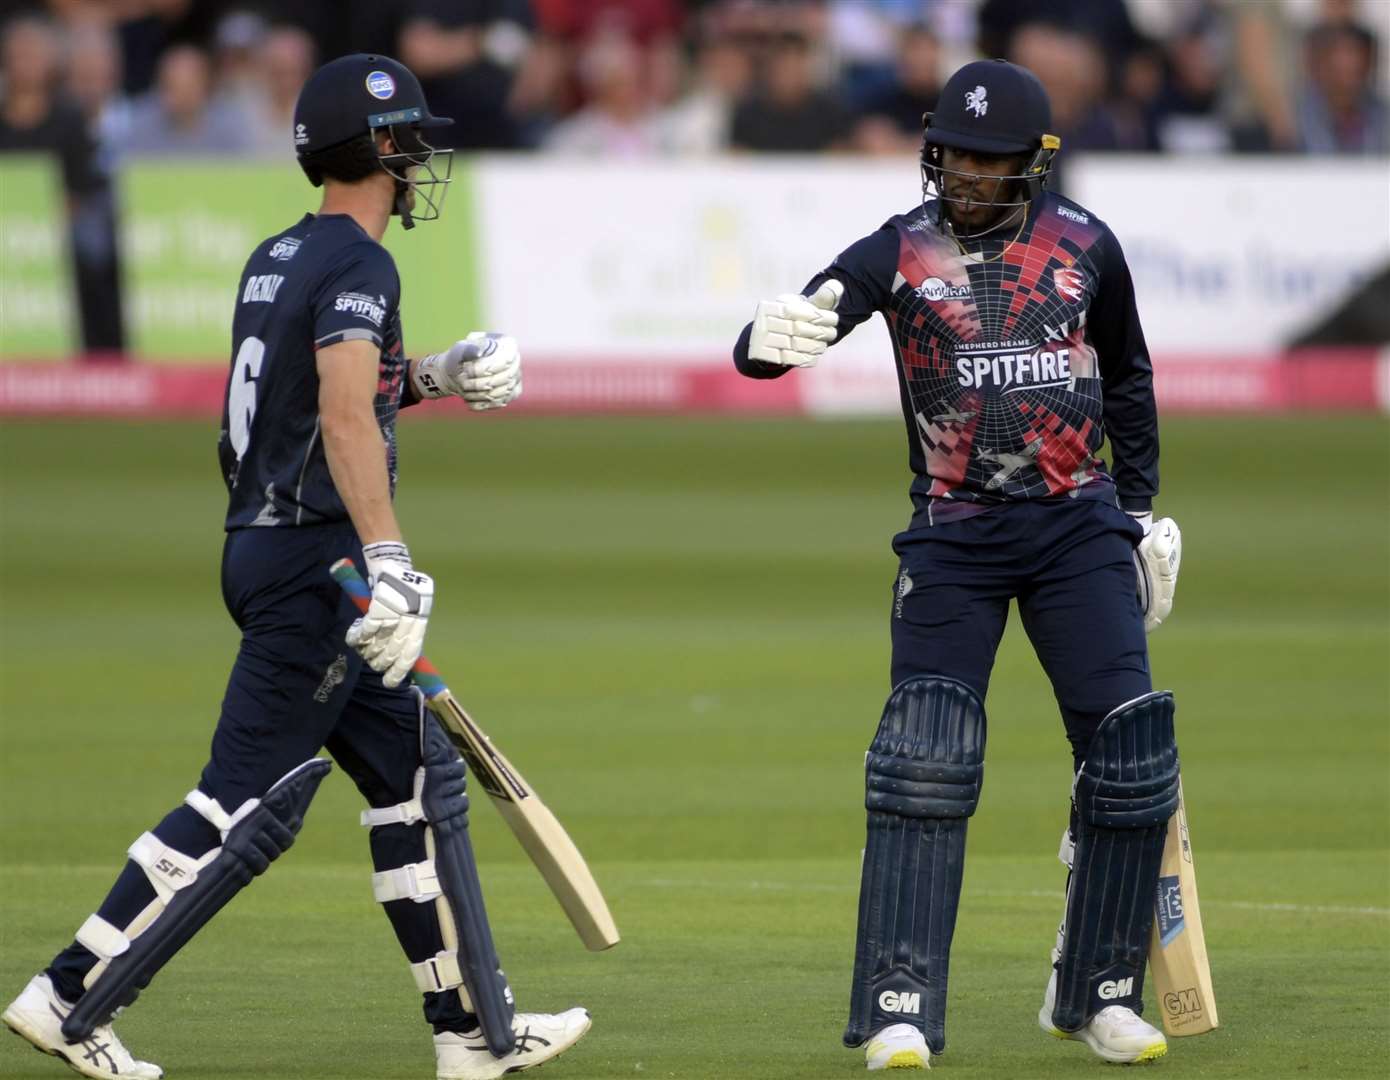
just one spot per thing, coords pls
(308, 454)
(1018, 351)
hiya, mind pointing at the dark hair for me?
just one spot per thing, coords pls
(347, 162)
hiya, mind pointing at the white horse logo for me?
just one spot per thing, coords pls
(975, 101)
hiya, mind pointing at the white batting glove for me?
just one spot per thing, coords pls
(391, 635)
(794, 330)
(484, 369)
(1156, 563)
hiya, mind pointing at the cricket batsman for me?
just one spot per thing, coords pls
(308, 453)
(1018, 351)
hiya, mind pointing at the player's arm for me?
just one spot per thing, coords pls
(1131, 419)
(352, 440)
(794, 329)
(391, 635)
(1131, 424)
(484, 369)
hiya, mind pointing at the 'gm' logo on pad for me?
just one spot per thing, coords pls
(893, 1002)
(381, 85)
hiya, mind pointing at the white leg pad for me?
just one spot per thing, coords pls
(440, 972)
(414, 881)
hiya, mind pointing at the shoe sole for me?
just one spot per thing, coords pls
(904, 1059)
(17, 1025)
(20, 1027)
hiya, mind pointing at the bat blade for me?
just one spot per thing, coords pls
(1178, 946)
(539, 832)
(537, 829)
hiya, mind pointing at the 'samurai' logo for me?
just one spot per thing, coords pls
(332, 679)
(934, 289)
(975, 101)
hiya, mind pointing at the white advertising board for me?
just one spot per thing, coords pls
(665, 261)
(1238, 255)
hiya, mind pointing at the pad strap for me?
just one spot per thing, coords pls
(405, 813)
(414, 881)
(211, 810)
(167, 869)
(103, 940)
(439, 972)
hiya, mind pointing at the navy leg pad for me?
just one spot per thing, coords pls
(248, 849)
(922, 781)
(1125, 793)
(445, 807)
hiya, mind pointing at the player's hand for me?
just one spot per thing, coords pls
(794, 330)
(484, 369)
(391, 635)
(1156, 561)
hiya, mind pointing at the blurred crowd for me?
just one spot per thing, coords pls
(98, 82)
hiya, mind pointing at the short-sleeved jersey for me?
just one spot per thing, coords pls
(318, 283)
(1016, 354)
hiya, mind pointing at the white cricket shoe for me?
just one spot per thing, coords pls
(539, 1038)
(1116, 1034)
(898, 1046)
(38, 1014)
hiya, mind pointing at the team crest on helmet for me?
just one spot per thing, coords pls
(1069, 281)
(381, 85)
(975, 101)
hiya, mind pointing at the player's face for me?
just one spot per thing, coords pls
(973, 198)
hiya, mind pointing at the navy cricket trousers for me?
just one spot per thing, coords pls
(1069, 565)
(295, 688)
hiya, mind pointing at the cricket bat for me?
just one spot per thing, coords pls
(541, 835)
(1178, 948)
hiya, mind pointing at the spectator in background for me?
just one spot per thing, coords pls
(1106, 23)
(617, 122)
(1338, 109)
(892, 119)
(699, 123)
(94, 85)
(866, 36)
(286, 60)
(655, 25)
(466, 53)
(36, 117)
(1070, 66)
(1188, 114)
(148, 28)
(236, 56)
(790, 114)
(179, 117)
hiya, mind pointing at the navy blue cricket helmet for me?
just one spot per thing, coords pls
(992, 107)
(356, 96)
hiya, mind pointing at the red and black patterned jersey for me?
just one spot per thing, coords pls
(318, 283)
(1017, 353)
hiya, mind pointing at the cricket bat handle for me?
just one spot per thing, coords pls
(424, 674)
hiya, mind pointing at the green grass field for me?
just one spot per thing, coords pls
(678, 630)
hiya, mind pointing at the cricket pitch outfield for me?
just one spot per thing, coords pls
(679, 629)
